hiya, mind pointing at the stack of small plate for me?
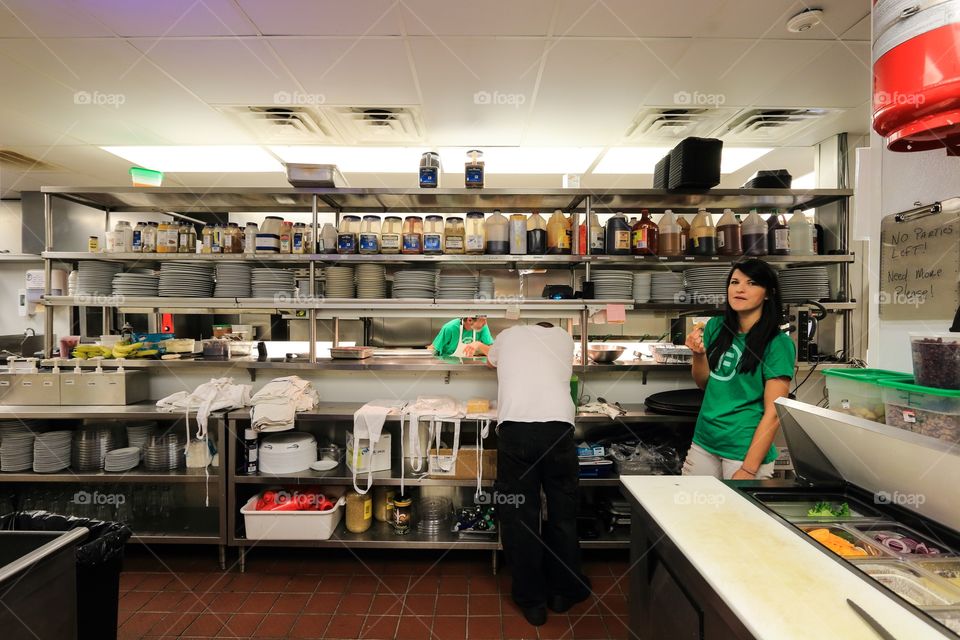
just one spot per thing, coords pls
(51, 451)
(371, 281)
(706, 285)
(451, 287)
(339, 282)
(666, 286)
(642, 287)
(139, 434)
(233, 280)
(612, 285)
(164, 453)
(122, 459)
(269, 283)
(96, 278)
(415, 283)
(141, 282)
(804, 283)
(90, 447)
(16, 447)
(186, 279)
(485, 289)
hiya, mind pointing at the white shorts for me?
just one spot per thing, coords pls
(701, 462)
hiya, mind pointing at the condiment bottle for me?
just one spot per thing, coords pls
(558, 233)
(754, 235)
(124, 237)
(669, 235)
(207, 239)
(729, 241)
(703, 235)
(453, 236)
(359, 511)
(299, 238)
(286, 236)
(473, 170)
(370, 234)
(137, 243)
(250, 238)
(412, 235)
(617, 236)
(518, 234)
(228, 237)
(536, 234)
(188, 239)
(495, 232)
(778, 235)
(327, 242)
(817, 231)
(247, 458)
(215, 247)
(596, 235)
(149, 238)
(433, 235)
(383, 502)
(475, 236)
(800, 234)
(168, 238)
(347, 234)
(391, 234)
(644, 236)
(684, 235)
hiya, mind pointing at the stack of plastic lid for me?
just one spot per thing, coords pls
(485, 288)
(415, 283)
(371, 281)
(666, 286)
(269, 283)
(233, 280)
(139, 282)
(16, 446)
(90, 447)
(51, 451)
(706, 285)
(642, 286)
(800, 284)
(96, 278)
(612, 285)
(122, 459)
(186, 279)
(434, 514)
(457, 287)
(339, 282)
(164, 453)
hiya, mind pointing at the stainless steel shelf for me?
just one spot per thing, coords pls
(174, 538)
(18, 258)
(135, 476)
(140, 411)
(341, 476)
(380, 536)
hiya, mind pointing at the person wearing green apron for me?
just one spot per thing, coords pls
(463, 338)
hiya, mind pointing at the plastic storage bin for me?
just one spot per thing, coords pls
(925, 410)
(855, 391)
(936, 359)
(290, 525)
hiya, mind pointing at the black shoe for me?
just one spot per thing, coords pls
(537, 616)
(562, 604)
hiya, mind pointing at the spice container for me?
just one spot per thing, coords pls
(430, 170)
(669, 235)
(536, 234)
(347, 236)
(644, 236)
(495, 230)
(137, 242)
(412, 235)
(298, 238)
(370, 234)
(124, 237)
(383, 503)
(473, 170)
(558, 234)
(703, 235)
(168, 238)
(754, 235)
(250, 238)
(93, 244)
(778, 235)
(517, 232)
(475, 236)
(359, 511)
(453, 236)
(617, 236)
(390, 234)
(402, 514)
(936, 359)
(286, 236)
(433, 235)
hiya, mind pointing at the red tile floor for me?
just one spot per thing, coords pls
(337, 594)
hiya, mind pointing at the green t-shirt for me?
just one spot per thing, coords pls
(446, 341)
(733, 401)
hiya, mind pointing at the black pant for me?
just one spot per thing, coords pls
(532, 455)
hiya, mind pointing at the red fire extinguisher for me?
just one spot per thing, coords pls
(916, 73)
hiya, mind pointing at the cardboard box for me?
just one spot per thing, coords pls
(376, 460)
(464, 467)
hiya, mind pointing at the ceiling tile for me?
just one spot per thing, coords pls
(50, 19)
(490, 18)
(323, 17)
(630, 18)
(349, 71)
(859, 31)
(171, 18)
(840, 77)
(768, 19)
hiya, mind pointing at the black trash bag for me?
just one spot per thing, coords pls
(105, 542)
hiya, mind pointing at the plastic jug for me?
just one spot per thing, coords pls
(475, 237)
(778, 235)
(433, 235)
(754, 235)
(729, 240)
(617, 236)
(669, 235)
(684, 235)
(558, 233)
(703, 235)
(517, 230)
(536, 234)
(370, 234)
(801, 234)
(391, 232)
(644, 236)
(495, 231)
(412, 235)
(328, 239)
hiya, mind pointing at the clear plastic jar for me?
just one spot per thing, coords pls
(433, 235)
(475, 240)
(359, 511)
(497, 235)
(473, 170)
(370, 234)
(453, 236)
(168, 238)
(391, 233)
(188, 239)
(348, 234)
(413, 235)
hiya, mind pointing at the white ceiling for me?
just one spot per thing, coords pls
(582, 71)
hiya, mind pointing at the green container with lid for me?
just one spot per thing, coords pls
(928, 411)
(856, 391)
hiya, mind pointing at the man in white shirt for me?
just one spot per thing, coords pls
(536, 449)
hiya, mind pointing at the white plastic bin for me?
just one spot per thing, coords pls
(290, 525)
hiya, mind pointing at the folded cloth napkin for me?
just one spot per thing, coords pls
(600, 407)
(216, 395)
(277, 403)
(368, 423)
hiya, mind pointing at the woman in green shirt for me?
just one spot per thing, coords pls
(463, 338)
(743, 362)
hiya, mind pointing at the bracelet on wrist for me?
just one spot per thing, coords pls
(753, 473)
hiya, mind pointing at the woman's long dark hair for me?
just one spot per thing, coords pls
(766, 328)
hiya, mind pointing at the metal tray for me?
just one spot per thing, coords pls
(871, 550)
(351, 353)
(314, 175)
(870, 530)
(794, 507)
(945, 568)
(911, 584)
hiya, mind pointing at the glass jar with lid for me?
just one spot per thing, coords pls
(413, 235)
(433, 235)
(359, 511)
(453, 235)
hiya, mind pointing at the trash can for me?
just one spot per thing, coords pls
(99, 560)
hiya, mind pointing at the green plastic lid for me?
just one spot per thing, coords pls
(870, 375)
(906, 384)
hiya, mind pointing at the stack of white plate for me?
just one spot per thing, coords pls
(268, 283)
(666, 286)
(139, 434)
(90, 447)
(371, 281)
(186, 279)
(451, 287)
(164, 453)
(642, 287)
(415, 283)
(804, 283)
(141, 282)
(122, 459)
(485, 289)
(96, 278)
(339, 282)
(16, 447)
(287, 453)
(612, 285)
(706, 285)
(233, 281)
(51, 451)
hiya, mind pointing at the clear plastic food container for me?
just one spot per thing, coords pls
(914, 586)
(925, 410)
(936, 359)
(950, 618)
(945, 568)
(844, 542)
(855, 391)
(902, 541)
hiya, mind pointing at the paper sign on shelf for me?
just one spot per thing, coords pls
(616, 314)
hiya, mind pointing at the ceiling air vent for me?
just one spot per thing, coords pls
(13, 160)
(674, 123)
(384, 125)
(770, 126)
(284, 124)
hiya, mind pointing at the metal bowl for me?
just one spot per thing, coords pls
(604, 353)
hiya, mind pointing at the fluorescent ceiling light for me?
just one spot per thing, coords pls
(355, 159)
(631, 159)
(523, 160)
(200, 159)
(736, 158)
(807, 181)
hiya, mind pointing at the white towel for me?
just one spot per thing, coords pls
(275, 405)
(368, 423)
(216, 395)
(600, 407)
